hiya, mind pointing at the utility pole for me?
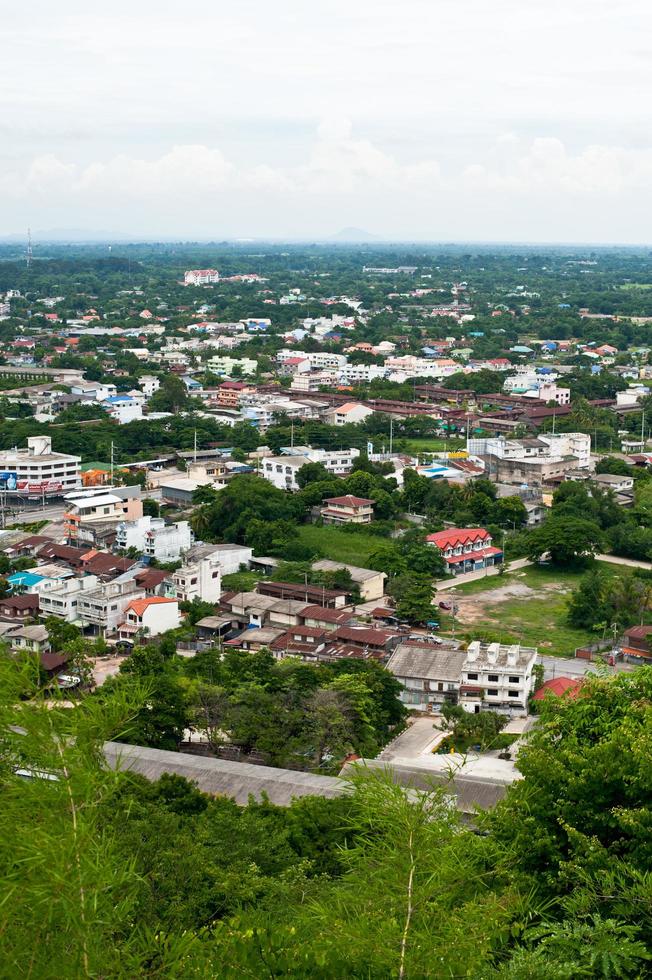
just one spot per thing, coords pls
(111, 462)
(195, 458)
(391, 433)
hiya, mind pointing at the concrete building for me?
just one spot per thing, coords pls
(96, 508)
(200, 578)
(149, 616)
(123, 408)
(430, 675)
(548, 457)
(351, 413)
(225, 365)
(63, 600)
(347, 510)
(201, 277)
(153, 537)
(497, 677)
(230, 556)
(39, 471)
(370, 582)
(149, 384)
(282, 470)
(103, 608)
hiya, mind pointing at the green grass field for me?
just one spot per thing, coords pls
(338, 545)
(535, 618)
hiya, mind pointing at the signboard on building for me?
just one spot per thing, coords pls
(48, 487)
(8, 481)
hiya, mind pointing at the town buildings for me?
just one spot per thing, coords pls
(201, 277)
(466, 549)
(38, 470)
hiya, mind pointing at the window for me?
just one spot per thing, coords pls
(515, 680)
(492, 692)
(493, 678)
(513, 694)
(472, 677)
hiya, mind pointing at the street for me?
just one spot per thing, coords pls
(571, 667)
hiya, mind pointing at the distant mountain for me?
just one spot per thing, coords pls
(353, 235)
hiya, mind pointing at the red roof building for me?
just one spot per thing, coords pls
(558, 686)
(466, 549)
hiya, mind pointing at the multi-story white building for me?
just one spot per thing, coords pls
(149, 384)
(498, 677)
(201, 277)
(313, 380)
(38, 470)
(103, 608)
(200, 578)
(98, 390)
(153, 537)
(226, 365)
(63, 600)
(357, 373)
(282, 471)
(97, 506)
(123, 408)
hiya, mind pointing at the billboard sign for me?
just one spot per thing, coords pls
(8, 481)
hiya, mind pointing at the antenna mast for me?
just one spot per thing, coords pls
(29, 247)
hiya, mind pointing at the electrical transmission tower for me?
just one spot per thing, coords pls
(29, 247)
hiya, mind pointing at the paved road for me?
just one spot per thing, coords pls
(51, 512)
(417, 740)
(512, 566)
(630, 562)
(571, 667)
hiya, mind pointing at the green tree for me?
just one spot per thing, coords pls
(566, 539)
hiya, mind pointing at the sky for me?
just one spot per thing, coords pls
(436, 120)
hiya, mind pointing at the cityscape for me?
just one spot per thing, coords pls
(326, 555)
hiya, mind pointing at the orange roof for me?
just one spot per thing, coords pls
(140, 605)
(558, 686)
(456, 536)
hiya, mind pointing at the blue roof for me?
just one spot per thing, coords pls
(118, 398)
(25, 578)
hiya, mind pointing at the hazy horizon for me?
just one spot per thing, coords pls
(420, 122)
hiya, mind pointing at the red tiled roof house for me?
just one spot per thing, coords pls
(466, 549)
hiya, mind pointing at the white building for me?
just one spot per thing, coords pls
(37, 469)
(201, 277)
(98, 390)
(231, 557)
(63, 600)
(123, 408)
(226, 365)
(149, 384)
(282, 471)
(199, 579)
(351, 413)
(153, 537)
(497, 677)
(150, 616)
(357, 373)
(430, 675)
(104, 608)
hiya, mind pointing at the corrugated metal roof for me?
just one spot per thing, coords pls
(238, 780)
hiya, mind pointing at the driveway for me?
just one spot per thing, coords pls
(572, 667)
(417, 740)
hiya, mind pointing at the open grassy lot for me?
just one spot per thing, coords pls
(339, 545)
(527, 606)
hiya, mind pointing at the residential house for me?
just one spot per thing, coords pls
(200, 578)
(497, 677)
(103, 608)
(151, 536)
(32, 639)
(370, 582)
(466, 549)
(430, 675)
(347, 510)
(636, 645)
(351, 413)
(149, 617)
(19, 608)
(63, 600)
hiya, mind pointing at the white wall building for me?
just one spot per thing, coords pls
(149, 384)
(201, 277)
(226, 365)
(498, 677)
(153, 537)
(123, 408)
(63, 600)
(356, 373)
(282, 471)
(103, 608)
(40, 469)
(199, 579)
